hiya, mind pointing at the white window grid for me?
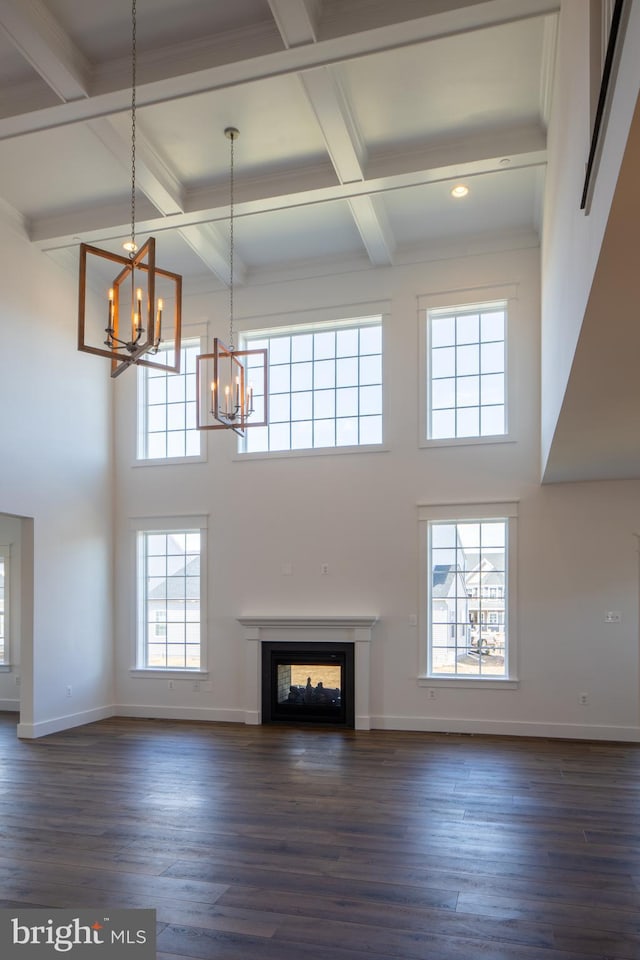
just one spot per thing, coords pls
(169, 576)
(325, 387)
(466, 360)
(167, 408)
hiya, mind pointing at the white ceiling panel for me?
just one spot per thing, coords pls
(483, 80)
(276, 124)
(48, 172)
(102, 30)
(299, 234)
(504, 200)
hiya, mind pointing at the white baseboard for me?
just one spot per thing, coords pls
(508, 728)
(31, 731)
(150, 712)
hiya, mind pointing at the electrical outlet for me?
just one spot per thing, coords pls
(68, 691)
(324, 569)
(431, 694)
(170, 684)
(17, 681)
(612, 616)
(583, 699)
(195, 686)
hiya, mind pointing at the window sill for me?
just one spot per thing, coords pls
(490, 683)
(155, 673)
(467, 441)
(310, 452)
(169, 461)
(5, 668)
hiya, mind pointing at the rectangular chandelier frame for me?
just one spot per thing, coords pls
(224, 394)
(134, 338)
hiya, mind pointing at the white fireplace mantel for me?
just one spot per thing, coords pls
(303, 628)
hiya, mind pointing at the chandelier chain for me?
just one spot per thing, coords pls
(231, 239)
(133, 126)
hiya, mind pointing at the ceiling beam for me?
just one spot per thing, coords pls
(172, 85)
(37, 35)
(297, 20)
(295, 188)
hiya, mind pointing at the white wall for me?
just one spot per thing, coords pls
(55, 449)
(358, 513)
(572, 239)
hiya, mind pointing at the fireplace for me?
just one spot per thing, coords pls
(293, 631)
(308, 683)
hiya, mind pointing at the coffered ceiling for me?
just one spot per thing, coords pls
(356, 118)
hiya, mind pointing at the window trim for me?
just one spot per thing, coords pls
(463, 300)
(318, 322)
(162, 524)
(5, 555)
(192, 334)
(457, 513)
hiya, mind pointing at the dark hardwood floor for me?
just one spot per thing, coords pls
(279, 843)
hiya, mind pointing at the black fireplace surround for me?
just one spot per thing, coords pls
(291, 690)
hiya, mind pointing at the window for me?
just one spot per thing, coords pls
(325, 387)
(469, 591)
(466, 362)
(4, 604)
(170, 566)
(167, 409)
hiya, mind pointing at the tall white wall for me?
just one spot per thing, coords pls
(358, 513)
(55, 455)
(572, 238)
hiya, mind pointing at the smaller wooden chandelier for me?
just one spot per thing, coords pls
(231, 384)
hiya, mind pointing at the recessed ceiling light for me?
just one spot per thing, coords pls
(459, 191)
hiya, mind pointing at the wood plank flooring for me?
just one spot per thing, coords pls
(283, 843)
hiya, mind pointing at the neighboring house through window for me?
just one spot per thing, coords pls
(325, 386)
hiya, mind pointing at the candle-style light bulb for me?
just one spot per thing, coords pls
(158, 331)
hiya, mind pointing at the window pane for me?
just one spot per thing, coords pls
(301, 347)
(347, 372)
(443, 331)
(468, 328)
(324, 345)
(467, 391)
(347, 344)
(301, 376)
(280, 408)
(371, 430)
(279, 350)
(325, 404)
(301, 435)
(468, 360)
(324, 433)
(371, 339)
(347, 431)
(443, 393)
(370, 400)
(443, 424)
(301, 406)
(347, 402)
(324, 374)
(443, 362)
